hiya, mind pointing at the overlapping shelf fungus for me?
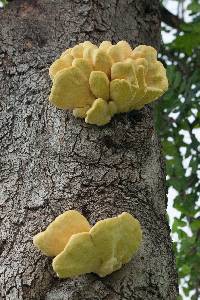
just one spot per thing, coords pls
(99, 82)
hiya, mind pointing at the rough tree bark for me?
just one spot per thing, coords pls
(51, 162)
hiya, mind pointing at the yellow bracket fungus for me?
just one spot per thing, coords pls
(98, 82)
(79, 249)
(54, 239)
(99, 113)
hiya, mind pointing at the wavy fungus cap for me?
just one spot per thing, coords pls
(80, 249)
(104, 249)
(113, 73)
(54, 239)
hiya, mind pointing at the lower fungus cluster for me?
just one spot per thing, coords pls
(99, 82)
(79, 248)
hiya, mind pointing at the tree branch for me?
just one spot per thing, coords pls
(168, 18)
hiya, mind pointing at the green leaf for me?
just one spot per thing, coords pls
(187, 42)
(191, 27)
(178, 183)
(186, 205)
(169, 148)
(178, 223)
(185, 269)
(177, 80)
(195, 225)
(194, 7)
(181, 234)
(4, 2)
(186, 291)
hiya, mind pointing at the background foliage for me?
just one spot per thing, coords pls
(178, 123)
(4, 2)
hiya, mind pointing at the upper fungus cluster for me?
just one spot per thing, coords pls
(79, 248)
(98, 82)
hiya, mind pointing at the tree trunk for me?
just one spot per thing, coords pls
(52, 162)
